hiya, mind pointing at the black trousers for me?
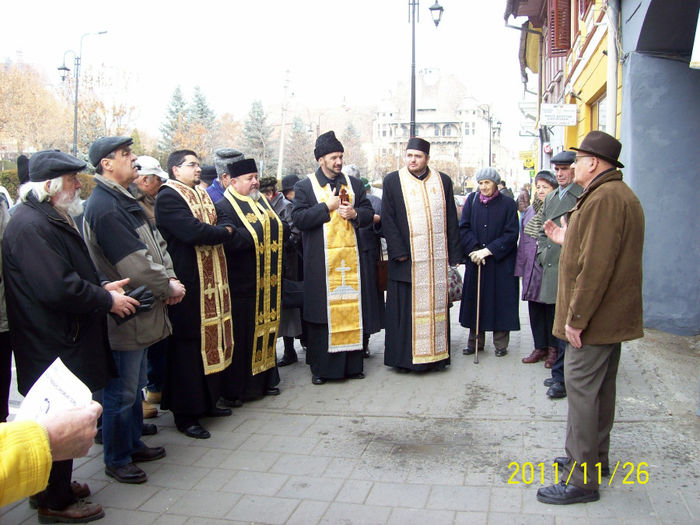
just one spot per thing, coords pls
(58, 494)
(541, 322)
(5, 374)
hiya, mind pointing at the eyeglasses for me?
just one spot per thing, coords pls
(190, 165)
(576, 159)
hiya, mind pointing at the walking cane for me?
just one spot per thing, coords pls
(478, 307)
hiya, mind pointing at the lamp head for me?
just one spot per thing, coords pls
(436, 12)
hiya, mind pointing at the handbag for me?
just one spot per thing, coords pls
(454, 284)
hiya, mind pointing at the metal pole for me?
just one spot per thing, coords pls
(490, 134)
(413, 4)
(75, 107)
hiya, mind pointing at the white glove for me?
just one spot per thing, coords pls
(479, 256)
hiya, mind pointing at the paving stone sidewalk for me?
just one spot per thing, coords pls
(438, 448)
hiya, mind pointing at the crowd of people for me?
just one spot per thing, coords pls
(178, 283)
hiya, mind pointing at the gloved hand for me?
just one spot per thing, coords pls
(145, 298)
(479, 256)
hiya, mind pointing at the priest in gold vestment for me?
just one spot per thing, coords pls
(419, 222)
(329, 207)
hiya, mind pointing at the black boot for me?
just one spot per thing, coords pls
(290, 355)
(365, 344)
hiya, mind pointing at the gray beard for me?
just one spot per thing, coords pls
(254, 194)
(73, 207)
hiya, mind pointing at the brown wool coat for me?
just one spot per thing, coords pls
(600, 268)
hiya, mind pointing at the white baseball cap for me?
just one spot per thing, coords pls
(150, 166)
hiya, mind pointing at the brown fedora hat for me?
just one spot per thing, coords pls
(600, 144)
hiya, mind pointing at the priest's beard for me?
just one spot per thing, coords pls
(70, 205)
(254, 194)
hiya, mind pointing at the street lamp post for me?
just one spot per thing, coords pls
(64, 72)
(436, 12)
(493, 129)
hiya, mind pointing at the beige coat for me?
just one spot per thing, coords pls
(600, 268)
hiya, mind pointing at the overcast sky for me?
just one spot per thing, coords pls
(238, 51)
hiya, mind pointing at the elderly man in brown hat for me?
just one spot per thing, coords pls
(599, 305)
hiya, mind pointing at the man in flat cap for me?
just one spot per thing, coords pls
(419, 222)
(201, 346)
(254, 256)
(329, 207)
(222, 158)
(556, 205)
(290, 318)
(123, 243)
(57, 305)
(207, 177)
(599, 305)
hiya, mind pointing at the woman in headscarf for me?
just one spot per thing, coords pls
(489, 234)
(527, 267)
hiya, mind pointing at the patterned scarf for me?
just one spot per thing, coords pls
(484, 199)
(533, 226)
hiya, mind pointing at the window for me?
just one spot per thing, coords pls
(599, 114)
(437, 130)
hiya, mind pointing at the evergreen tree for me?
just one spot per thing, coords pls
(352, 143)
(299, 150)
(202, 126)
(136, 147)
(257, 140)
(200, 111)
(176, 120)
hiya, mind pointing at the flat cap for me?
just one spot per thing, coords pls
(50, 164)
(288, 182)
(106, 145)
(563, 157)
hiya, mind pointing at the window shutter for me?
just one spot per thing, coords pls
(559, 27)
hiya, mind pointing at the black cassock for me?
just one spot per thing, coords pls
(398, 351)
(309, 216)
(240, 261)
(370, 251)
(187, 392)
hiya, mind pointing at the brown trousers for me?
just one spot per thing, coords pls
(590, 373)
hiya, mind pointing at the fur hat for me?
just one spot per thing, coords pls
(223, 157)
(268, 182)
(327, 143)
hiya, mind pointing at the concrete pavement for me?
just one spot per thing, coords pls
(436, 448)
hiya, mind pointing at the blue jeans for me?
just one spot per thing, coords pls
(122, 415)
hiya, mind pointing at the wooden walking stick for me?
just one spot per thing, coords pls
(478, 307)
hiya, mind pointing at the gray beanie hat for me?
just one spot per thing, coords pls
(225, 156)
(488, 174)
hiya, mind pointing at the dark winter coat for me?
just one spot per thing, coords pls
(56, 305)
(309, 216)
(493, 225)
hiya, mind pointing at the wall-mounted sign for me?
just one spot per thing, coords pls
(558, 115)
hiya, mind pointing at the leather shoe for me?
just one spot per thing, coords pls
(402, 370)
(556, 391)
(365, 352)
(196, 431)
(500, 352)
(563, 460)
(536, 355)
(78, 512)
(148, 429)
(219, 412)
(147, 454)
(272, 391)
(154, 397)
(359, 375)
(470, 351)
(80, 491)
(551, 357)
(318, 380)
(128, 473)
(563, 494)
(236, 402)
(287, 360)
(548, 382)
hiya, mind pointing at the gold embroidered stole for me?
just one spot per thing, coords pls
(265, 227)
(427, 226)
(214, 294)
(343, 286)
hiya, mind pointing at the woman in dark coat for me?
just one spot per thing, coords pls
(527, 267)
(489, 233)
